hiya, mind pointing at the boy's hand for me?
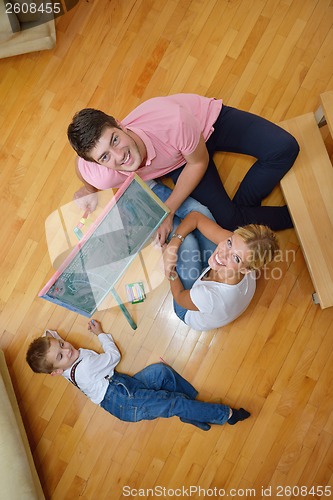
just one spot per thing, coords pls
(95, 327)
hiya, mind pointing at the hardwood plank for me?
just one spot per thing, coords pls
(273, 58)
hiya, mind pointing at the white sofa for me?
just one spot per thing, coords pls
(25, 31)
(18, 476)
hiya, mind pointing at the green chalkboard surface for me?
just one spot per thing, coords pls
(99, 260)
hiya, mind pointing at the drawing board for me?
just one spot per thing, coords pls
(98, 261)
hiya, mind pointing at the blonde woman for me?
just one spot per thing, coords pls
(221, 285)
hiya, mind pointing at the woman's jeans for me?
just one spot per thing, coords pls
(237, 131)
(159, 391)
(195, 250)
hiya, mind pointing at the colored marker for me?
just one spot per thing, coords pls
(78, 233)
(77, 230)
(83, 218)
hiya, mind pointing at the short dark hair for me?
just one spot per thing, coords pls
(86, 129)
(36, 355)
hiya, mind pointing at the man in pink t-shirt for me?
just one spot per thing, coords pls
(177, 136)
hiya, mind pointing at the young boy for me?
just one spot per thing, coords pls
(156, 391)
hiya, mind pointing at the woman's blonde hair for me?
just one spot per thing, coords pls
(262, 243)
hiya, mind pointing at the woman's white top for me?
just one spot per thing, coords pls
(219, 303)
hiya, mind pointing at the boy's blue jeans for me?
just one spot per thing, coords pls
(195, 251)
(159, 391)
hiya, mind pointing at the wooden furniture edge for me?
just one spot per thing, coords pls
(307, 189)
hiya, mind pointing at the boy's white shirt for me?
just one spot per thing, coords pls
(91, 371)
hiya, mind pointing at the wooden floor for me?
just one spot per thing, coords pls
(270, 57)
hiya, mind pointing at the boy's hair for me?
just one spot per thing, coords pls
(86, 129)
(36, 355)
(262, 243)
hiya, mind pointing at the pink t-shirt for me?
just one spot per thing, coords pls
(170, 128)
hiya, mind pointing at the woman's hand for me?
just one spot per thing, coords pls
(170, 260)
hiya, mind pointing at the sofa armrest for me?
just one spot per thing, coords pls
(18, 476)
(35, 35)
(9, 24)
(26, 13)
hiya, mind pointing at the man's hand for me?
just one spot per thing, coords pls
(95, 327)
(47, 333)
(164, 230)
(86, 199)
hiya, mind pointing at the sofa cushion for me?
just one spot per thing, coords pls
(28, 10)
(34, 36)
(9, 24)
(15, 474)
